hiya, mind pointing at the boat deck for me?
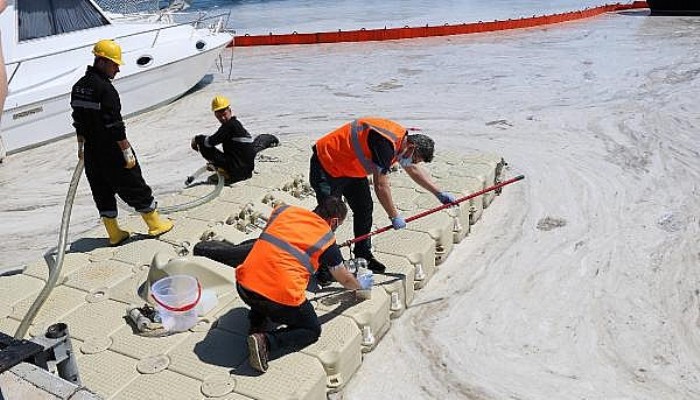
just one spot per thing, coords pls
(98, 282)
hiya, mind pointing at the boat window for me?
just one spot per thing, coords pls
(144, 61)
(41, 18)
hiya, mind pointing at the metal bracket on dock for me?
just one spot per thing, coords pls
(51, 351)
(299, 188)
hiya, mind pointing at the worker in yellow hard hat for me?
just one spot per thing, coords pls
(237, 160)
(111, 165)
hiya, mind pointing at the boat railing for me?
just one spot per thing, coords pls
(215, 27)
(169, 17)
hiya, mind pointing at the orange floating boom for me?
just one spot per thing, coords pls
(367, 35)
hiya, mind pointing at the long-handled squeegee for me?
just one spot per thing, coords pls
(436, 209)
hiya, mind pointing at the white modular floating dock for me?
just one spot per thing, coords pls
(98, 282)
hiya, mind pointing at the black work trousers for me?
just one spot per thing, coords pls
(219, 159)
(302, 325)
(357, 194)
(104, 168)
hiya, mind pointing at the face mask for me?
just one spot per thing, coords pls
(406, 157)
(405, 161)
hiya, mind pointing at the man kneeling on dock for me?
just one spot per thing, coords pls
(274, 277)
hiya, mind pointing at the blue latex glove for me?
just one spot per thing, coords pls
(398, 222)
(445, 198)
(366, 280)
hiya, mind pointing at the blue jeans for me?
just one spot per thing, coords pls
(302, 325)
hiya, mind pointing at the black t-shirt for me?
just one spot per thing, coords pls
(382, 150)
(332, 256)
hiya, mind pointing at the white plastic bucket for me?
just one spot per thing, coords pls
(176, 300)
(207, 303)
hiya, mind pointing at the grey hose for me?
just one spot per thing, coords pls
(199, 201)
(55, 268)
(190, 204)
(54, 272)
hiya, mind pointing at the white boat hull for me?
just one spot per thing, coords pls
(161, 62)
(26, 126)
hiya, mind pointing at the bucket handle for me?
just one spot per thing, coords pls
(186, 307)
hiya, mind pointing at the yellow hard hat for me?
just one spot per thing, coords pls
(219, 103)
(108, 49)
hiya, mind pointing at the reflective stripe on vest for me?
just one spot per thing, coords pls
(275, 213)
(345, 152)
(319, 244)
(355, 128)
(304, 258)
(283, 262)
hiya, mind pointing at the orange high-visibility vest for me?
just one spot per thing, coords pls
(282, 260)
(345, 151)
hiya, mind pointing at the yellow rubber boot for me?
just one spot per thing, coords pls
(116, 234)
(156, 225)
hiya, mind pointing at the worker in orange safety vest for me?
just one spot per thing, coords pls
(343, 158)
(276, 273)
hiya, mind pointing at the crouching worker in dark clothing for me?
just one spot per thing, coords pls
(237, 161)
(273, 278)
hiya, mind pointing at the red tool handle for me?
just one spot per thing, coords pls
(186, 307)
(436, 209)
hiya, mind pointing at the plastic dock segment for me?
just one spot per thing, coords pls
(210, 360)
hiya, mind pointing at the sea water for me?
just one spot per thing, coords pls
(600, 115)
(286, 16)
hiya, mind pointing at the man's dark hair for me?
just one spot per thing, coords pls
(332, 207)
(425, 146)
